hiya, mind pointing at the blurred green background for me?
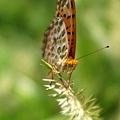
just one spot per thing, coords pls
(22, 25)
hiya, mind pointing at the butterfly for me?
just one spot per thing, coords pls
(59, 42)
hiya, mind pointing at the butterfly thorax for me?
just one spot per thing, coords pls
(66, 66)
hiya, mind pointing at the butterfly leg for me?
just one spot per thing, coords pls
(64, 82)
(69, 77)
(51, 75)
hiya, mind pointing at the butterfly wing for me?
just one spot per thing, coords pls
(66, 10)
(56, 46)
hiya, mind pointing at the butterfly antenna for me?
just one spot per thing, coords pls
(93, 52)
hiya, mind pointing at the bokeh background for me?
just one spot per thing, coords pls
(22, 27)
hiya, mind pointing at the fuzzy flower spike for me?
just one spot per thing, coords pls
(75, 106)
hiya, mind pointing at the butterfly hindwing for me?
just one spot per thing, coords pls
(56, 42)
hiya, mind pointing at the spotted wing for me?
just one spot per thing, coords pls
(66, 10)
(56, 46)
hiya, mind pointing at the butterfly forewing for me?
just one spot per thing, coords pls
(66, 10)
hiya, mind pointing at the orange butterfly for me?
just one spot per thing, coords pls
(60, 38)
